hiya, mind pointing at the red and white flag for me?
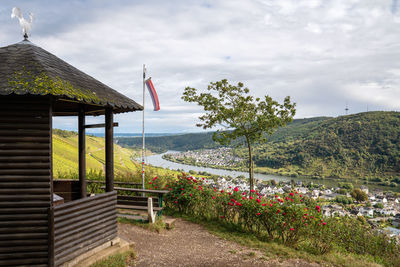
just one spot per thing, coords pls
(153, 94)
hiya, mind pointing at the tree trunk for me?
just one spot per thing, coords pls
(251, 169)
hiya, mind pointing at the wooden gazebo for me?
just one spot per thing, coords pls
(35, 86)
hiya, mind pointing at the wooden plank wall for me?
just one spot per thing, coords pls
(25, 180)
(84, 224)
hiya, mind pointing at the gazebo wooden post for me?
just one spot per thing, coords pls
(82, 151)
(109, 134)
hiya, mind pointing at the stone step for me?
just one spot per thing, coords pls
(169, 222)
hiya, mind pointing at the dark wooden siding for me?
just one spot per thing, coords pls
(25, 190)
(84, 224)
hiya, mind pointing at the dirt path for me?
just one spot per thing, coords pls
(190, 244)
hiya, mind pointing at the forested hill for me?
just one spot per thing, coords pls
(358, 145)
(195, 141)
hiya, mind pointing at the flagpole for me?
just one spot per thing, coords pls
(143, 142)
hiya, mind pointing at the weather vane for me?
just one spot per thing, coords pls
(26, 25)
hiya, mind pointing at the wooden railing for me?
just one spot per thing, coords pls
(84, 224)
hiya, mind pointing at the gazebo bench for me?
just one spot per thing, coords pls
(141, 203)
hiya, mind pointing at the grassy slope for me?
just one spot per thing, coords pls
(65, 157)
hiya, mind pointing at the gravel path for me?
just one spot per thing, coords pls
(190, 244)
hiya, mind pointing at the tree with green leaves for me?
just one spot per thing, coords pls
(240, 115)
(359, 195)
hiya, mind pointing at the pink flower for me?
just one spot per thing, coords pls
(270, 205)
(190, 194)
(324, 223)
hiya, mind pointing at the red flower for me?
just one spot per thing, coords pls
(236, 189)
(270, 205)
(222, 191)
(291, 194)
(149, 182)
(222, 217)
(233, 200)
(276, 196)
(324, 223)
(252, 190)
(155, 187)
(170, 189)
(291, 229)
(154, 178)
(258, 200)
(182, 189)
(243, 193)
(190, 194)
(251, 197)
(258, 213)
(213, 197)
(243, 198)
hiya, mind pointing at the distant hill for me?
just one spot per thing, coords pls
(193, 141)
(358, 145)
(181, 142)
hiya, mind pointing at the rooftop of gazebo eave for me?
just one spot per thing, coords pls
(27, 62)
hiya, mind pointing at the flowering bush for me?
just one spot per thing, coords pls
(288, 218)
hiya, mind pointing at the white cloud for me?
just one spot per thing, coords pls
(322, 53)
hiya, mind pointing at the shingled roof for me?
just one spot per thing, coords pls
(26, 69)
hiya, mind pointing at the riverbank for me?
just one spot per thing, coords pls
(159, 161)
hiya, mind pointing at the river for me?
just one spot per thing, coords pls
(157, 160)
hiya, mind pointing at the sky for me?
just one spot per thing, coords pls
(325, 54)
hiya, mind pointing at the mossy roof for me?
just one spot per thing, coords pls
(26, 69)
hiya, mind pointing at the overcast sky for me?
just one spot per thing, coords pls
(323, 53)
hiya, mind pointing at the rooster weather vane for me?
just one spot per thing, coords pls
(26, 25)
